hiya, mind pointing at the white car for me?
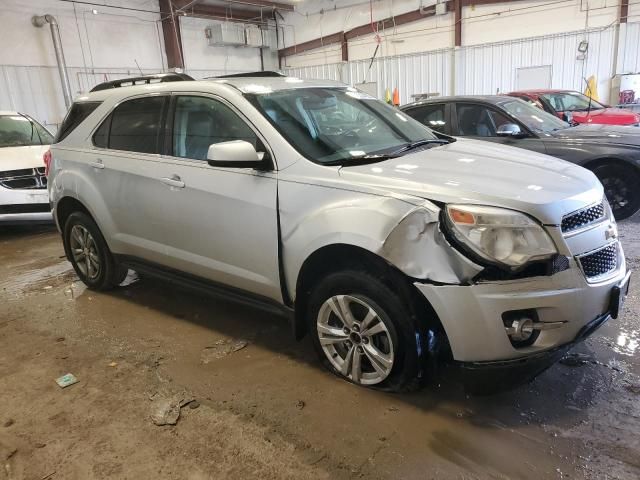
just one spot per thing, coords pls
(23, 181)
(391, 245)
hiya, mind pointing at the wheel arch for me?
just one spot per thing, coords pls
(340, 256)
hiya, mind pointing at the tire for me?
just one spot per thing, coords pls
(621, 186)
(387, 358)
(89, 254)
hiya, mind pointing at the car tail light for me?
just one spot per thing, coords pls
(46, 158)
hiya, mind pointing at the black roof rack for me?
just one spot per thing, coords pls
(265, 73)
(141, 80)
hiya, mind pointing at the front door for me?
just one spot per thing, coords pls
(219, 223)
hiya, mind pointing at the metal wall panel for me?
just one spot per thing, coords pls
(629, 58)
(491, 68)
(426, 72)
(487, 69)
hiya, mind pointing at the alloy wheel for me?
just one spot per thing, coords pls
(355, 339)
(85, 252)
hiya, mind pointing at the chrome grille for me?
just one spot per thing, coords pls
(582, 218)
(600, 262)
(26, 178)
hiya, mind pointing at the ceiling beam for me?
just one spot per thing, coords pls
(312, 44)
(366, 29)
(216, 12)
(457, 20)
(624, 11)
(171, 35)
(284, 7)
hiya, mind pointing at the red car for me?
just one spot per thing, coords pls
(574, 107)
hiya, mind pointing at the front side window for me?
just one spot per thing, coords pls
(338, 125)
(136, 125)
(571, 102)
(479, 121)
(534, 118)
(22, 131)
(200, 122)
(430, 115)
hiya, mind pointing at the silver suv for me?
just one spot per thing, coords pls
(393, 246)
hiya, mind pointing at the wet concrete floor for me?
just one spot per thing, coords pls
(265, 407)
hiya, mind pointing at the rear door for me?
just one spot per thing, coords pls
(128, 164)
(481, 121)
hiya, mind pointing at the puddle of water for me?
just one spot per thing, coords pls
(35, 279)
(627, 342)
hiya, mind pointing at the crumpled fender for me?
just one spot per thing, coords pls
(405, 235)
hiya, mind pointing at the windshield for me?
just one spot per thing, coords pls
(534, 118)
(339, 125)
(571, 102)
(21, 131)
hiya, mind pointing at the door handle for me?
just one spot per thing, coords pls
(97, 164)
(173, 181)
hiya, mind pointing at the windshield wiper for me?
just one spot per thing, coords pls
(419, 143)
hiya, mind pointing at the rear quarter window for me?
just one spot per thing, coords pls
(75, 116)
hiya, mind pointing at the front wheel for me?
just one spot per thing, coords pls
(363, 332)
(621, 186)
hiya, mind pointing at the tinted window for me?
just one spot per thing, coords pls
(20, 131)
(571, 102)
(136, 125)
(430, 115)
(479, 121)
(534, 118)
(101, 136)
(76, 114)
(200, 122)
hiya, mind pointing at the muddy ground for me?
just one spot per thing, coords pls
(264, 407)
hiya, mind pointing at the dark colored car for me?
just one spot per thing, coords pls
(611, 152)
(577, 108)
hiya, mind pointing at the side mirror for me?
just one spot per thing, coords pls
(235, 154)
(509, 130)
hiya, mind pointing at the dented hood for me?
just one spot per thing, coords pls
(483, 173)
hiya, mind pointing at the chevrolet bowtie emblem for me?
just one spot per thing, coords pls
(611, 233)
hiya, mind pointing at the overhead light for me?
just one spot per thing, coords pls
(94, 11)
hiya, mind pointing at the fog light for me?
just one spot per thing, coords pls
(520, 329)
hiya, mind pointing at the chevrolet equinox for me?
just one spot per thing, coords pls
(392, 245)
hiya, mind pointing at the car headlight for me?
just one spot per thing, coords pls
(499, 236)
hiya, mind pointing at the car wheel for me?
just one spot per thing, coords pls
(363, 332)
(89, 254)
(621, 186)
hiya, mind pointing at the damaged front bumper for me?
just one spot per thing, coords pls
(472, 316)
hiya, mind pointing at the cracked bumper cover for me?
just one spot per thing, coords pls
(472, 315)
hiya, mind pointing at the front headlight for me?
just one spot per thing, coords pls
(497, 235)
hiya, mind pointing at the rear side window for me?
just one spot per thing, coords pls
(136, 125)
(76, 114)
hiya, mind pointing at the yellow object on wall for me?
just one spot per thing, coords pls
(592, 88)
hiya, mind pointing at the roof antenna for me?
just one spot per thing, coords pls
(138, 66)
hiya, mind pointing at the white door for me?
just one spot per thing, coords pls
(533, 78)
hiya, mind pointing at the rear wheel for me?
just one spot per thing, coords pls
(363, 332)
(621, 186)
(89, 254)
